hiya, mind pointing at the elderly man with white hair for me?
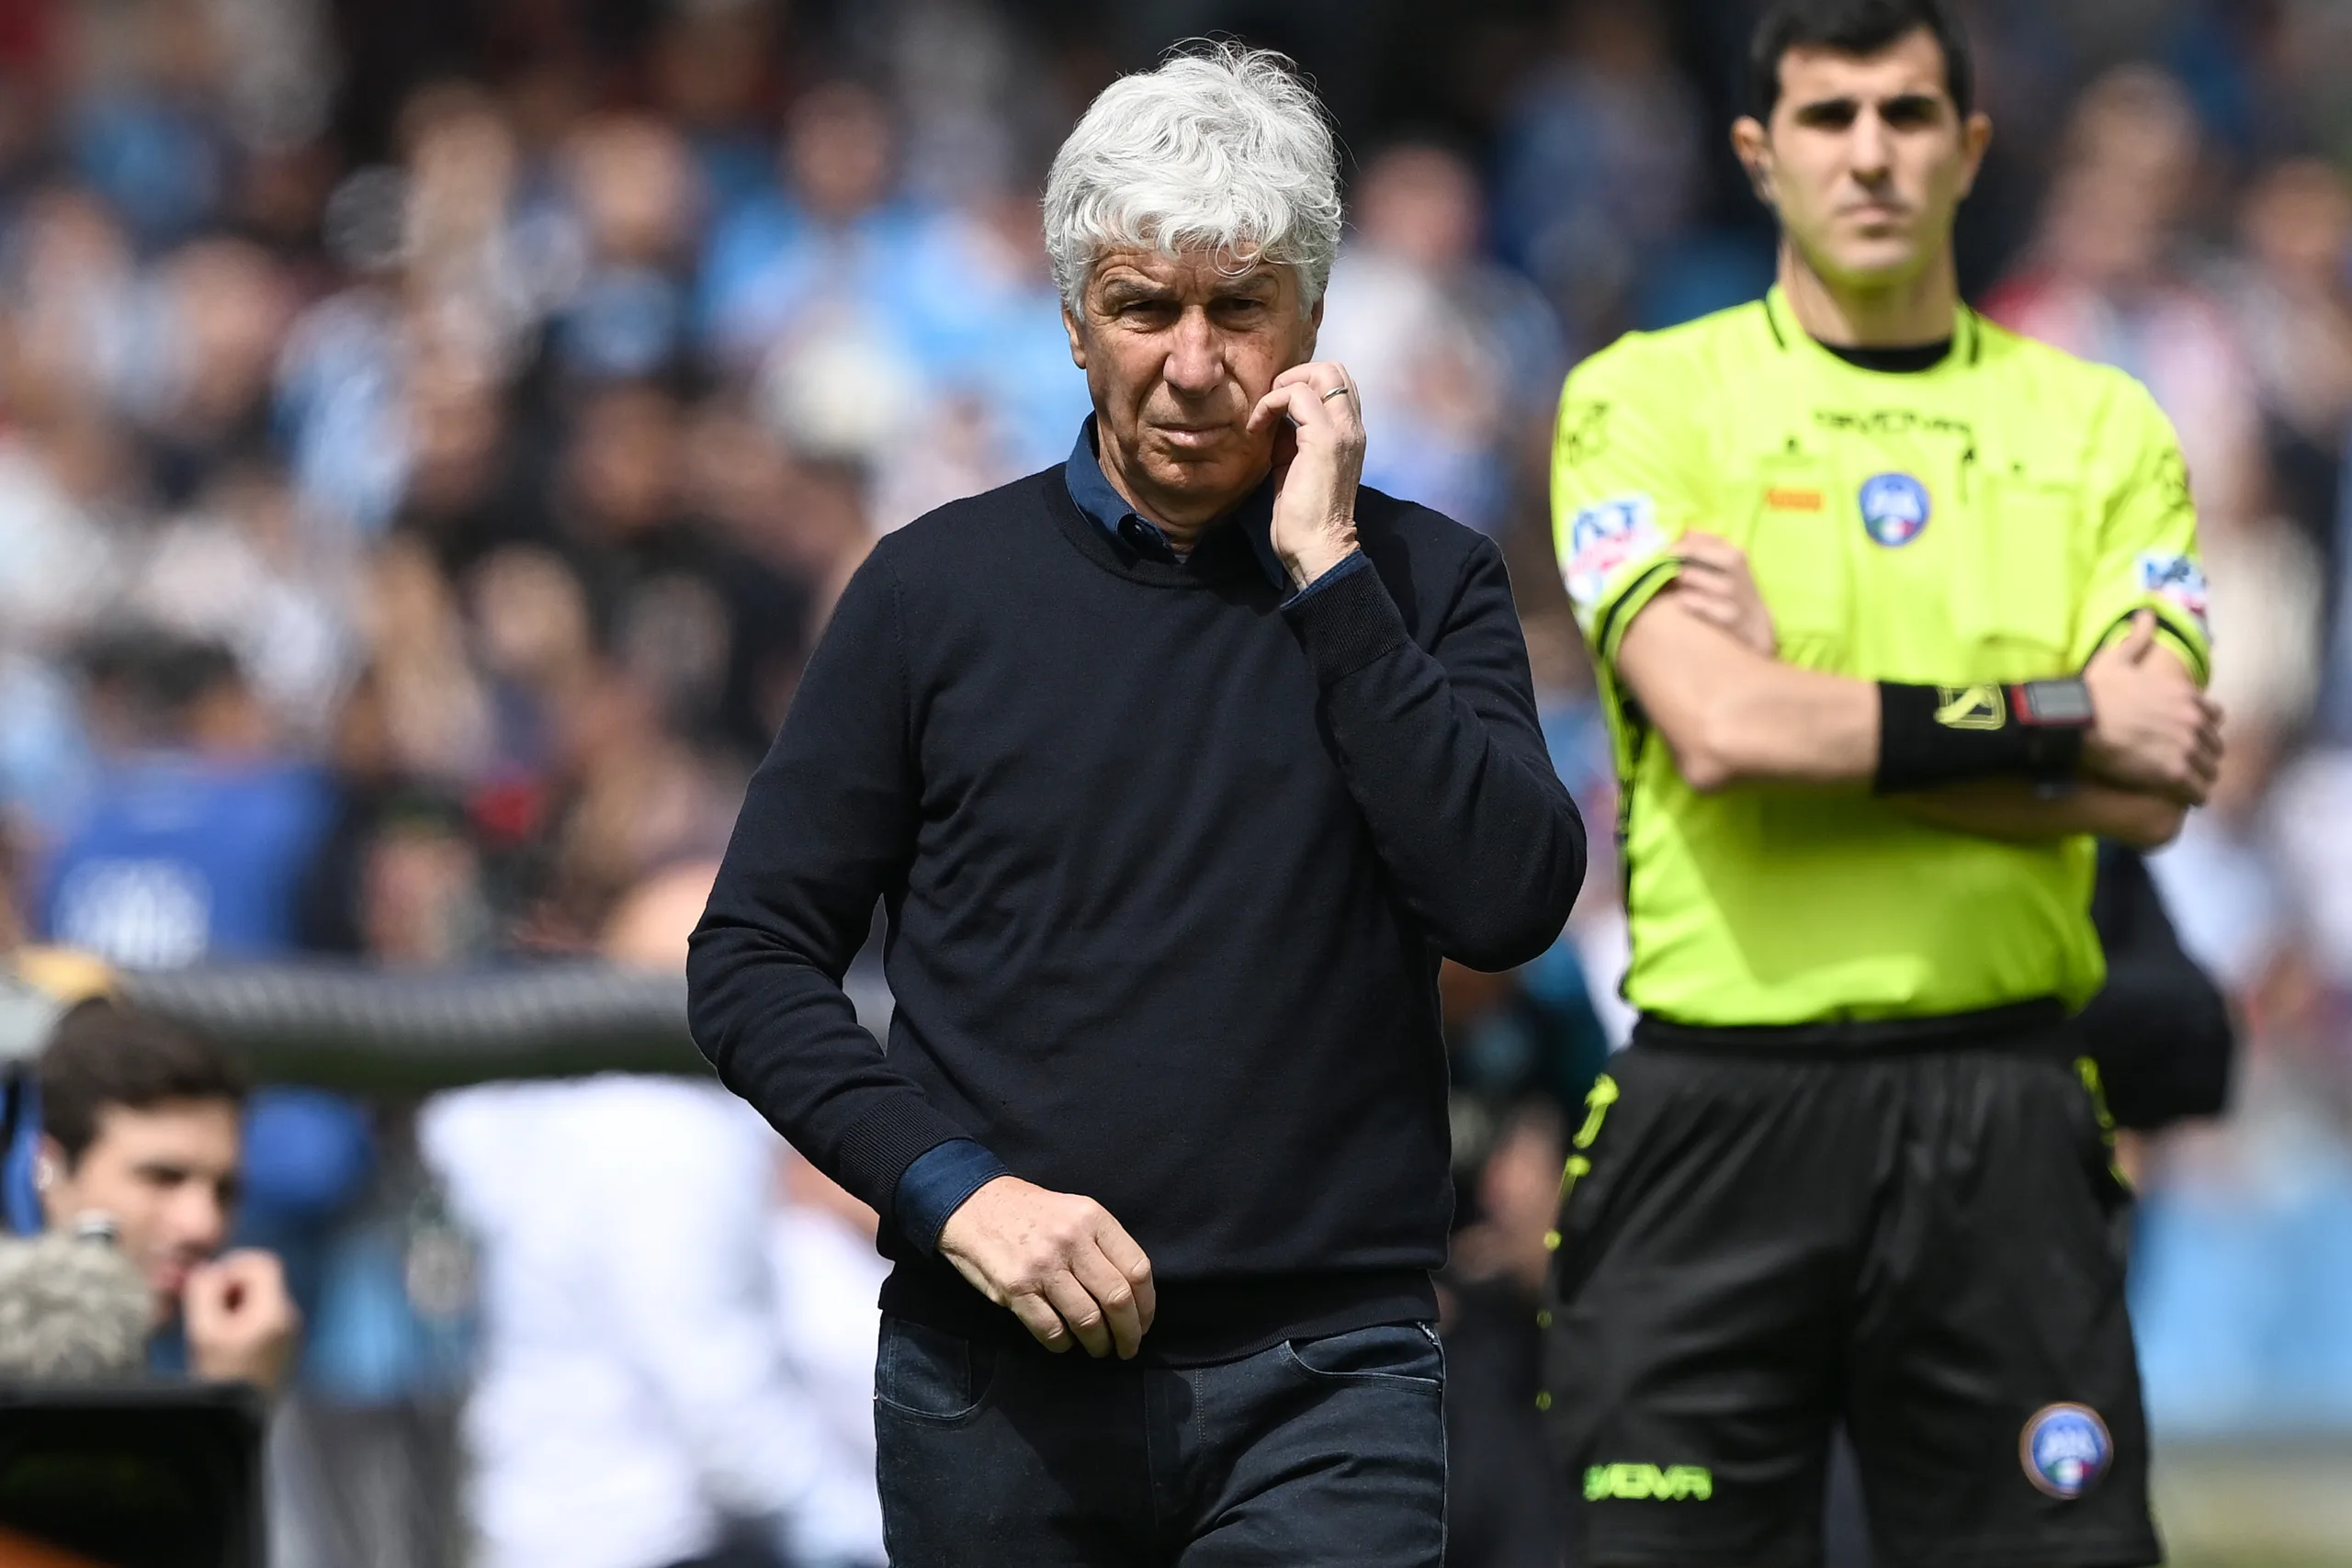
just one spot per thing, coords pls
(1178, 768)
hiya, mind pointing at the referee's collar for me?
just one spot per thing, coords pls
(1092, 489)
(1967, 330)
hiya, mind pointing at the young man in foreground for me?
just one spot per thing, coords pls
(139, 1129)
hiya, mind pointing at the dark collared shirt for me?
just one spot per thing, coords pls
(1254, 516)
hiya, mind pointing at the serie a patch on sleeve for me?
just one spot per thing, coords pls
(1607, 540)
(2178, 581)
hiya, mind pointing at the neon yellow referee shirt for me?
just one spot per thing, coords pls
(1995, 518)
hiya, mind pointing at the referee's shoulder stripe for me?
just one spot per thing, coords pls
(1610, 629)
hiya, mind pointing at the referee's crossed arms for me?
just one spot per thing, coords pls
(1701, 658)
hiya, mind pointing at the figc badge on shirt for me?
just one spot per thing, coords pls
(1895, 508)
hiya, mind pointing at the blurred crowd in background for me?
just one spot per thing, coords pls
(432, 436)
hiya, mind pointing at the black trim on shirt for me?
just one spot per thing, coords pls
(1606, 633)
(1904, 359)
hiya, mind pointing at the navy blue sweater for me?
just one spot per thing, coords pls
(1168, 865)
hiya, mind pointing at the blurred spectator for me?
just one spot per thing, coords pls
(827, 267)
(140, 1132)
(196, 835)
(68, 487)
(194, 845)
(146, 129)
(805, 521)
(12, 915)
(71, 304)
(1502, 1493)
(1001, 393)
(1523, 1038)
(243, 570)
(215, 322)
(2110, 278)
(1600, 163)
(2106, 280)
(1459, 361)
(1523, 1049)
(459, 495)
(422, 687)
(711, 69)
(2293, 309)
(624, 312)
(636, 1404)
(2266, 598)
(827, 1277)
(703, 626)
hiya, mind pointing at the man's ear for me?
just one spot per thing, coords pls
(1752, 145)
(50, 1168)
(1314, 324)
(1077, 338)
(1975, 135)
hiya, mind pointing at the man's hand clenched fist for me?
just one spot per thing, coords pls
(1059, 1262)
(241, 1325)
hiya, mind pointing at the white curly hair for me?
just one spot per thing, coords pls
(1223, 149)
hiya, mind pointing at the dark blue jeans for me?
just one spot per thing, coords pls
(1318, 1454)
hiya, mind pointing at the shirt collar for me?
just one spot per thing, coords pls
(1967, 343)
(1094, 495)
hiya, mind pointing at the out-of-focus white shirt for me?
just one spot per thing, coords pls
(634, 1391)
(827, 1278)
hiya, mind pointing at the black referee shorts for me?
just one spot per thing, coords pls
(1922, 1233)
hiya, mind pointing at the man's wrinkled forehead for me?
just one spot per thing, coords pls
(1146, 272)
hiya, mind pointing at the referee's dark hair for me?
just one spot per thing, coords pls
(104, 1055)
(1853, 27)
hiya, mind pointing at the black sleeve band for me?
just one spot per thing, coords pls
(1939, 735)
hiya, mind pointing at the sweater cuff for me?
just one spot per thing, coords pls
(935, 1186)
(1344, 620)
(1353, 562)
(875, 1151)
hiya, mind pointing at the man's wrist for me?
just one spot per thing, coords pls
(938, 1184)
(1345, 619)
(1939, 735)
(262, 1366)
(1310, 565)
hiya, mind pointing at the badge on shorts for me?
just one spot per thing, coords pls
(1895, 508)
(2065, 1448)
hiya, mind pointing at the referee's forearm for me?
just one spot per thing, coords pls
(2014, 811)
(1731, 716)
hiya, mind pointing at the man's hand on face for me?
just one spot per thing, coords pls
(1060, 1263)
(1318, 456)
(2152, 729)
(240, 1322)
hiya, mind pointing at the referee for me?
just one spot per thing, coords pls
(1855, 1164)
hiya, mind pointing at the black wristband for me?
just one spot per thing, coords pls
(1939, 735)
